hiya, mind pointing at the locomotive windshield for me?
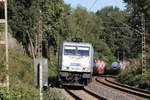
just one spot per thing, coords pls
(83, 51)
(69, 50)
(80, 51)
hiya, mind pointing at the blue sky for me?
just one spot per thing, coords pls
(94, 5)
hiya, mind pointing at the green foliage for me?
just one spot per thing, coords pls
(53, 19)
(21, 79)
(84, 24)
(22, 17)
(144, 80)
(60, 23)
(21, 72)
(137, 7)
(115, 33)
(19, 93)
(128, 76)
(132, 76)
(102, 49)
(1, 27)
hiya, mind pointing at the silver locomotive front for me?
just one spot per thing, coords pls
(75, 63)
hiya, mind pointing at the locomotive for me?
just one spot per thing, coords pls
(75, 63)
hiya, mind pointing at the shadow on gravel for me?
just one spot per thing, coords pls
(74, 87)
(52, 81)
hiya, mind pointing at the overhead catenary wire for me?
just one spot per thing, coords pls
(49, 28)
(126, 25)
(93, 5)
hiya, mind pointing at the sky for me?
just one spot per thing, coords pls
(94, 5)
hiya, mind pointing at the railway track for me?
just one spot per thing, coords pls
(83, 94)
(124, 88)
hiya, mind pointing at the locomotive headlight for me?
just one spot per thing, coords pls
(65, 63)
(65, 67)
(84, 68)
(88, 69)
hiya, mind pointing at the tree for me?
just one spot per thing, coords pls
(83, 24)
(54, 12)
(135, 8)
(22, 18)
(115, 32)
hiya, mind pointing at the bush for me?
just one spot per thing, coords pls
(19, 93)
(144, 80)
(50, 94)
(134, 77)
(127, 76)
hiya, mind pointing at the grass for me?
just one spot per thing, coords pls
(21, 75)
(2, 63)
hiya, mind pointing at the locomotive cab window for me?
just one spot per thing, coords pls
(83, 51)
(77, 51)
(69, 50)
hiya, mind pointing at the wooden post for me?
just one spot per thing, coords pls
(40, 52)
(40, 36)
(6, 44)
(143, 44)
(41, 84)
(6, 39)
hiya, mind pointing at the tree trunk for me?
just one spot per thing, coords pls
(50, 54)
(36, 44)
(31, 46)
(57, 45)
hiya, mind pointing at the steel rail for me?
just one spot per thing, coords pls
(129, 87)
(133, 92)
(85, 90)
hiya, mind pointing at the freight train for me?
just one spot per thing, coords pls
(75, 63)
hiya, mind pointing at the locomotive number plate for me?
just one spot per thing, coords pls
(75, 64)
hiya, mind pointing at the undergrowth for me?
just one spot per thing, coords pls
(21, 78)
(133, 76)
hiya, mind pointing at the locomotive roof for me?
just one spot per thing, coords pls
(77, 43)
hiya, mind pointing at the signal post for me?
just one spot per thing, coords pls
(5, 43)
